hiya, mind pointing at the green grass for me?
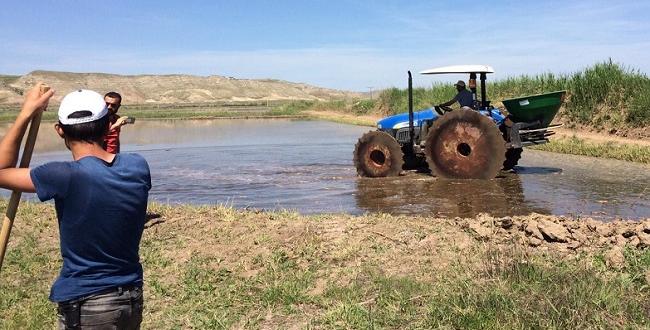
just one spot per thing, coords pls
(292, 109)
(522, 293)
(179, 113)
(605, 95)
(613, 150)
(8, 79)
(219, 268)
(531, 294)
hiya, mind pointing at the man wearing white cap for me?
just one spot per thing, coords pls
(100, 200)
(464, 97)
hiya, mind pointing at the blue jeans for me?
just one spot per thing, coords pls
(120, 308)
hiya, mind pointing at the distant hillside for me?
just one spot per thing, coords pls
(168, 88)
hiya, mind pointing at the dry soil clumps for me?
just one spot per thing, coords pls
(561, 234)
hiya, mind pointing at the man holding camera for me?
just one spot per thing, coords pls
(112, 140)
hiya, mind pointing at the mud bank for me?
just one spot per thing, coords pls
(561, 235)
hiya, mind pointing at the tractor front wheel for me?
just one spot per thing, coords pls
(377, 154)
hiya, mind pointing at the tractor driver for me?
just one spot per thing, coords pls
(464, 97)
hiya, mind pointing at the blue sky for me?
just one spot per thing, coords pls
(350, 45)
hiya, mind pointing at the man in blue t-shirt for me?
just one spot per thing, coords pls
(464, 97)
(101, 202)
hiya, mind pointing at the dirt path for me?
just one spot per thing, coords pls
(599, 137)
(364, 120)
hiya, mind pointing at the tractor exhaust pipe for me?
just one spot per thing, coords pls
(484, 102)
(411, 128)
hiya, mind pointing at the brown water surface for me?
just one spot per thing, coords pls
(307, 166)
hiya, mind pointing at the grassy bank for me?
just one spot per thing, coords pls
(180, 112)
(606, 95)
(8, 79)
(215, 267)
(610, 149)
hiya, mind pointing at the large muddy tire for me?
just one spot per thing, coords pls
(378, 154)
(512, 158)
(464, 144)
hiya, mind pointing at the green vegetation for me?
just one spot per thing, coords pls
(604, 95)
(8, 79)
(293, 108)
(184, 113)
(217, 268)
(609, 149)
(532, 294)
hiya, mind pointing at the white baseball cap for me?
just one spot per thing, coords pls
(82, 100)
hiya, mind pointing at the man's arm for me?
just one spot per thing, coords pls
(121, 121)
(10, 143)
(17, 179)
(450, 102)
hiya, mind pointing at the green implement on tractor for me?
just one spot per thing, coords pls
(542, 107)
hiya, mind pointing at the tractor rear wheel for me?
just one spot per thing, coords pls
(377, 154)
(464, 144)
(512, 158)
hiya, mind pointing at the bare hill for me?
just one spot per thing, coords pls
(170, 88)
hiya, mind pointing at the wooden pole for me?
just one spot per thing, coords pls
(12, 207)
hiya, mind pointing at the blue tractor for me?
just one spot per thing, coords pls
(466, 143)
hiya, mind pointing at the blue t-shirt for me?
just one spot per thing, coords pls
(101, 209)
(465, 98)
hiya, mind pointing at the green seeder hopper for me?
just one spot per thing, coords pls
(541, 107)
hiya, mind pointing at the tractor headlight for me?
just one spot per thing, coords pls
(401, 125)
(378, 126)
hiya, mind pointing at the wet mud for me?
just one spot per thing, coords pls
(417, 193)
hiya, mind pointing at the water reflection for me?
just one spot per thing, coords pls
(307, 166)
(537, 170)
(420, 194)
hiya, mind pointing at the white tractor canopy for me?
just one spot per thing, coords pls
(470, 68)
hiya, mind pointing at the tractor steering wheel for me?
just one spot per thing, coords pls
(441, 109)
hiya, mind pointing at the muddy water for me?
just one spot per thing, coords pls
(307, 166)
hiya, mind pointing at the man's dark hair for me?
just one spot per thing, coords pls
(90, 132)
(114, 95)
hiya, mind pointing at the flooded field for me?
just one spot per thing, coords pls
(307, 166)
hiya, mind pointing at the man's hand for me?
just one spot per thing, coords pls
(36, 100)
(120, 122)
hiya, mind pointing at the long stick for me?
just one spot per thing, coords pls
(12, 207)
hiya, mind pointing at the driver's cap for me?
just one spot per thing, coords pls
(460, 83)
